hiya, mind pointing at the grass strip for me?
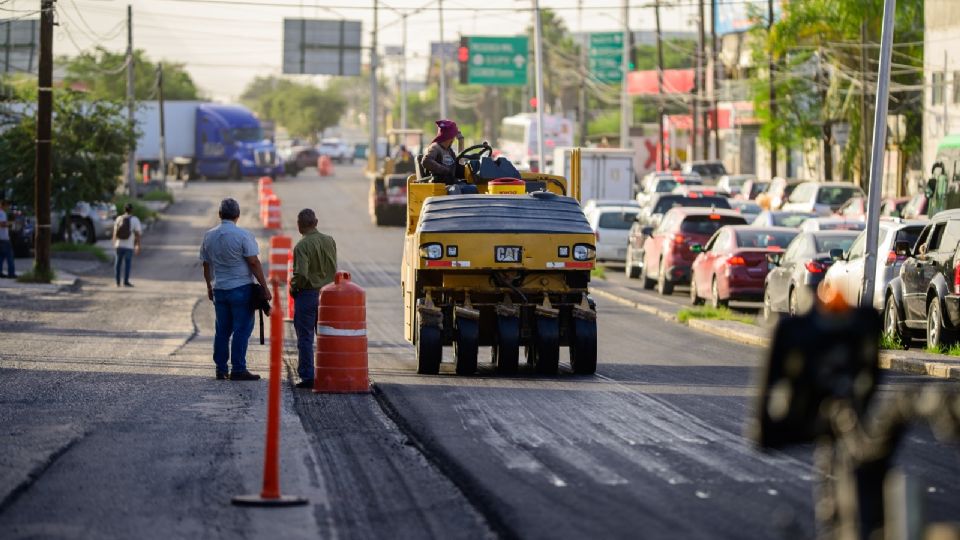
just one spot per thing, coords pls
(707, 312)
(93, 249)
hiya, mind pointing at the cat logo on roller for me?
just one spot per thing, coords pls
(482, 270)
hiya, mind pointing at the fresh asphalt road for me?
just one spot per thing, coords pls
(650, 447)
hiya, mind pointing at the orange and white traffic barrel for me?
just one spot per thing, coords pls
(341, 361)
(280, 247)
(274, 216)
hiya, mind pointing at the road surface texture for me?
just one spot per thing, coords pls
(650, 447)
(114, 426)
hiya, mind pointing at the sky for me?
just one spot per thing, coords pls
(226, 43)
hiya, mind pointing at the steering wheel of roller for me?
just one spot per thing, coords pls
(484, 148)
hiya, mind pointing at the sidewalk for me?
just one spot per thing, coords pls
(914, 362)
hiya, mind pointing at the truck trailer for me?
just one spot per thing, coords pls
(205, 140)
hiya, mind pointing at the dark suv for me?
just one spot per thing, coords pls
(926, 295)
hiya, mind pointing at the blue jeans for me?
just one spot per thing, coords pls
(305, 323)
(6, 252)
(124, 258)
(234, 317)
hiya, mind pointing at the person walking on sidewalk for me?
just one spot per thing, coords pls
(126, 240)
(231, 267)
(6, 245)
(314, 265)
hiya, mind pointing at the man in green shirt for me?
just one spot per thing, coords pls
(314, 265)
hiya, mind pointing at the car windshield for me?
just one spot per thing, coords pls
(617, 220)
(664, 205)
(836, 195)
(665, 185)
(908, 235)
(828, 242)
(758, 188)
(764, 238)
(708, 224)
(790, 220)
(247, 134)
(746, 207)
(709, 169)
(802, 193)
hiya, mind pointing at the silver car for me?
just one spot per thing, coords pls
(846, 274)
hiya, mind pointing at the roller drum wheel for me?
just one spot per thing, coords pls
(583, 347)
(465, 346)
(506, 348)
(547, 346)
(429, 349)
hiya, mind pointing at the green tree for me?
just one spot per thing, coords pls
(819, 80)
(91, 138)
(101, 73)
(303, 109)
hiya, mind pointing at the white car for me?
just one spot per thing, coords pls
(337, 149)
(611, 225)
(591, 205)
(733, 183)
(832, 224)
(824, 198)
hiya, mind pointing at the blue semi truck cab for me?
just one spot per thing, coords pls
(207, 140)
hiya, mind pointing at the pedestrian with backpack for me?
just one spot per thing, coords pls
(126, 240)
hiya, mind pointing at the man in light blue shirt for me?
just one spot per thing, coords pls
(230, 268)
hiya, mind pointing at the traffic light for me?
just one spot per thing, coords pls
(632, 59)
(533, 103)
(463, 57)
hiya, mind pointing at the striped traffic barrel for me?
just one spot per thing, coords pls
(279, 253)
(341, 361)
(274, 216)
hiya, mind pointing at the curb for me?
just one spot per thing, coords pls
(745, 334)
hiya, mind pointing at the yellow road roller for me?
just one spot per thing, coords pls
(507, 267)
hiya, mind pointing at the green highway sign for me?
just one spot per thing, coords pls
(605, 55)
(495, 60)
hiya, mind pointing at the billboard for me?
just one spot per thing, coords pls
(737, 15)
(321, 47)
(19, 45)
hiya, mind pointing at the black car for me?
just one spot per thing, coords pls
(925, 298)
(791, 284)
(658, 205)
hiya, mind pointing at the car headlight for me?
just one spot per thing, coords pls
(584, 252)
(431, 251)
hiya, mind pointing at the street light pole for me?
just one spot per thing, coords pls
(876, 158)
(43, 165)
(131, 156)
(538, 58)
(163, 143)
(626, 110)
(403, 78)
(373, 151)
(443, 65)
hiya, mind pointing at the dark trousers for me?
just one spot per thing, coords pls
(124, 259)
(6, 253)
(305, 308)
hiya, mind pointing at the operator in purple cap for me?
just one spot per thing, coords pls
(440, 159)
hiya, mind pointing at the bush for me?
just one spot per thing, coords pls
(33, 276)
(891, 342)
(93, 249)
(158, 195)
(142, 212)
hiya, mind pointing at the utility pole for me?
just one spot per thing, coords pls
(626, 107)
(538, 57)
(771, 68)
(864, 149)
(372, 156)
(664, 160)
(582, 108)
(702, 87)
(876, 162)
(163, 130)
(946, 124)
(44, 124)
(443, 65)
(131, 156)
(403, 77)
(714, 58)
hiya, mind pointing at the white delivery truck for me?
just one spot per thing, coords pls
(605, 173)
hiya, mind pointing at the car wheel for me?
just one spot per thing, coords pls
(715, 300)
(793, 303)
(648, 284)
(80, 231)
(664, 285)
(768, 314)
(234, 171)
(694, 298)
(630, 270)
(891, 321)
(937, 336)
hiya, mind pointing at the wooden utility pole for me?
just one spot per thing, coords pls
(44, 128)
(131, 156)
(773, 93)
(163, 131)
(582, 105)
(664, 159)
(715, 100)
(702, 84)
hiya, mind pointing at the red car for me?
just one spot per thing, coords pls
(733, 264)
(667, 256)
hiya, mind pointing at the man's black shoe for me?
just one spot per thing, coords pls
(128, 284)
(306, 383)
(222, 375)
(244, 376)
